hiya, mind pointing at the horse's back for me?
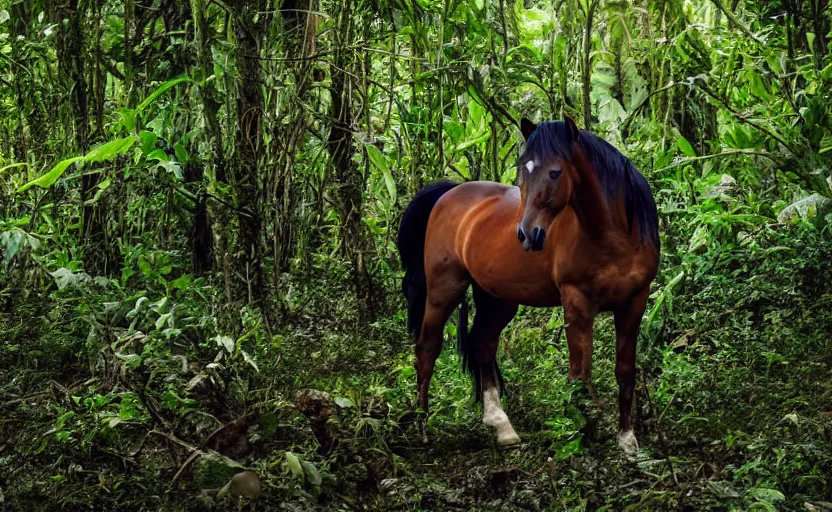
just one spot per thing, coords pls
(473, 230)
(452, 215)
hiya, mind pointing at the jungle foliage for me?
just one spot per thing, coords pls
(199, 206)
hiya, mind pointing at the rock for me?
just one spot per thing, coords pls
(245, 484)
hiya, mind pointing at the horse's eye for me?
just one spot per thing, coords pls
(554, 174)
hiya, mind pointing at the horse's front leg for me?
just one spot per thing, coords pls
(627, 323)
(579, 315)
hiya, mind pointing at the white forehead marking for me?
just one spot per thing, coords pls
(530, 166)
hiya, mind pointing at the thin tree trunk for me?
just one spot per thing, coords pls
(206, 236)
(300, 27)
(248, 141)
(587, 67)
(350, 181)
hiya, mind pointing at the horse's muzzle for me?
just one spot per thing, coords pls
(533, 243)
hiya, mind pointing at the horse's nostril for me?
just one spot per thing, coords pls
(538, 237)
(521, 236)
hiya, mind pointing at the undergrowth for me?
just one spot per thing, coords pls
(134, 400)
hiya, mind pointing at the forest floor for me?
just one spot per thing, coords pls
(734, 407)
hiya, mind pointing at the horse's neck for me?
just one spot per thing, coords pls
(588, 201)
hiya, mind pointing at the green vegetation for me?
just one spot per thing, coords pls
(199, 206)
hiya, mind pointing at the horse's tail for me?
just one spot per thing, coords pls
(411, 242)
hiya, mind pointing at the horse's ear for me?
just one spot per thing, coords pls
(572, 129)
(527, 127)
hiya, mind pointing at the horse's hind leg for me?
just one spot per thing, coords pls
(627, 323)
(446, 288)
(491, 318)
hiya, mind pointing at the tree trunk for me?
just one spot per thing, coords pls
(248, 32)
(350, 181)
(300, 27)
(205, 236)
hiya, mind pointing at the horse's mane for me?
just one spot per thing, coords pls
(614, 171)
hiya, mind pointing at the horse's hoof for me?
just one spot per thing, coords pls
(508, 441)
(627, 442)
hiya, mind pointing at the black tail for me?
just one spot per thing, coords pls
(411, 244)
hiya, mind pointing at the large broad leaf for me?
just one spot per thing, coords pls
(110, 149)
(478, 117)
(311, 472)
(65, 277)
(100, 153)
(160, 91)
(380, 163)
(293, 463)
(52, 176)
(684, 145)
(13, 241)
(473, 142)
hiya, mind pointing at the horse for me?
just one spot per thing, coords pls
(580, 231)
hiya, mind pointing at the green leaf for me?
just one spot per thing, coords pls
(181, 154)
(247, 358)
(160, 91)
(473, 142)
(312, 474)
(62, 419)
(684, 145)
(162, 320)
(569, 449)
(227, 342)
(380, 163)
(477, 115)
(97, 154)
(344, 403)
(148, 141)
(12, 242)
(825, 144)
(129, 118)
(159, 155)
(52, 176)
(293, 463)
(110, 149)
(182, 282)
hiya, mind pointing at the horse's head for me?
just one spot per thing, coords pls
(547, 176)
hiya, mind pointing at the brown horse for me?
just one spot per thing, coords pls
(581, 231)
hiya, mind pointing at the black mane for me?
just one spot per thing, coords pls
(616, 173)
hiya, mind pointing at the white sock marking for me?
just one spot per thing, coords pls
(627, 442)
(494, 416)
